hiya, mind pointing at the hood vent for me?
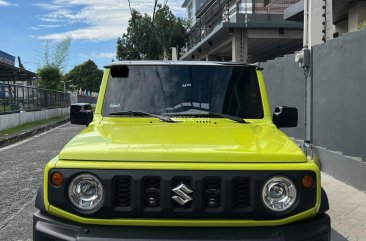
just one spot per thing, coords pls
(200, 120)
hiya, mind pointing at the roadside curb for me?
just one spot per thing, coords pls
(13, 138)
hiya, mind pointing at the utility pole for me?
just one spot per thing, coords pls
(307, 73)
(304, 59)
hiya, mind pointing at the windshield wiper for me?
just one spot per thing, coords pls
(142, 113)
(209, 113)
(230, 117)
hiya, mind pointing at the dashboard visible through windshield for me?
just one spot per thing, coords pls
(185, 90)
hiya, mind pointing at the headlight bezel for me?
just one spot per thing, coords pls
(94, 180)
(290, 188)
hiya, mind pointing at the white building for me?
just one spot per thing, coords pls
(259, 30)
(240, 30)
(329, 18)
(192, 6)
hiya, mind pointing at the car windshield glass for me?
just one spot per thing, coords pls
(184, 90)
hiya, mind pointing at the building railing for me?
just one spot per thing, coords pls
(16, 98)
(214, 12)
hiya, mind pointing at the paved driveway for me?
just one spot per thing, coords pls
(21, 168)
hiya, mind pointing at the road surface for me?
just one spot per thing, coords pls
(21, 169)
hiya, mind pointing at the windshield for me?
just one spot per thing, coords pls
(185, 90)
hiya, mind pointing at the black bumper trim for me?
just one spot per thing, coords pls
(49, 228)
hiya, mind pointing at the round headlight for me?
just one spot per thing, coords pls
(86, 192)
(279, 193)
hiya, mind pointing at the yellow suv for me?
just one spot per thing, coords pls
(182, 151)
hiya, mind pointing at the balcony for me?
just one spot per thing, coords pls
(244, 14)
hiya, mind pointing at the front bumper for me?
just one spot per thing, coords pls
(50, 228)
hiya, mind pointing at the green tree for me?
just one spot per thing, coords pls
(52, 63)
(61, 52)
(85, 76)
(54, 55)
(151, 38)
(50, 77)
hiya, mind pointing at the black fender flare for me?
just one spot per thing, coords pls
(324, 203)
(39, 202)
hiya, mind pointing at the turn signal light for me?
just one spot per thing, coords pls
(57, 179)
(307, 181)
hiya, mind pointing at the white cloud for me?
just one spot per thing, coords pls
(48, 6)
(94, 55)
(110, 55)
(48, 26)
(4, 3)
(103, 20)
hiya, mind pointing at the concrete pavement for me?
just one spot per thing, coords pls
(21, 168)
(347, 210)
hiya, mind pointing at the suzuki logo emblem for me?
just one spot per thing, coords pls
(182, 192)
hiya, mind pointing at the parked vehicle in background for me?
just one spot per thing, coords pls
(182, 151)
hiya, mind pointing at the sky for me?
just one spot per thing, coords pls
(93, 25)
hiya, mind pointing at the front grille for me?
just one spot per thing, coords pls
(123, 191)
(212, 192)
(155, 194)
(151, 192)
(241, 193)
(211, 195)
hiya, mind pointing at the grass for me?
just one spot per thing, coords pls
(30, 125)
(361, 25)
(4, 108)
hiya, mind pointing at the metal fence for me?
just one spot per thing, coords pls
(214, 12)
(16, 98)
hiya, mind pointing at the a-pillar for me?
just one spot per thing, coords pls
(240, 46)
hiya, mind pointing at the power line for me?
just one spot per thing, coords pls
(156, 3)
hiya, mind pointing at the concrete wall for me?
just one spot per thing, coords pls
(339, 113)
(339, 98)
(13, 120)
(339, 92)
(285, 83)
(315, 25)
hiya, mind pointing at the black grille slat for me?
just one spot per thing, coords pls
(241, 191)
(212, 192)
(151, 191)
(123, 192)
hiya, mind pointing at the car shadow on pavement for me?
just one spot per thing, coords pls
(337, 236)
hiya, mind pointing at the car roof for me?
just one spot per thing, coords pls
(170, 62)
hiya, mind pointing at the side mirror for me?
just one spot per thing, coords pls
(81, 114)
(284, 116)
